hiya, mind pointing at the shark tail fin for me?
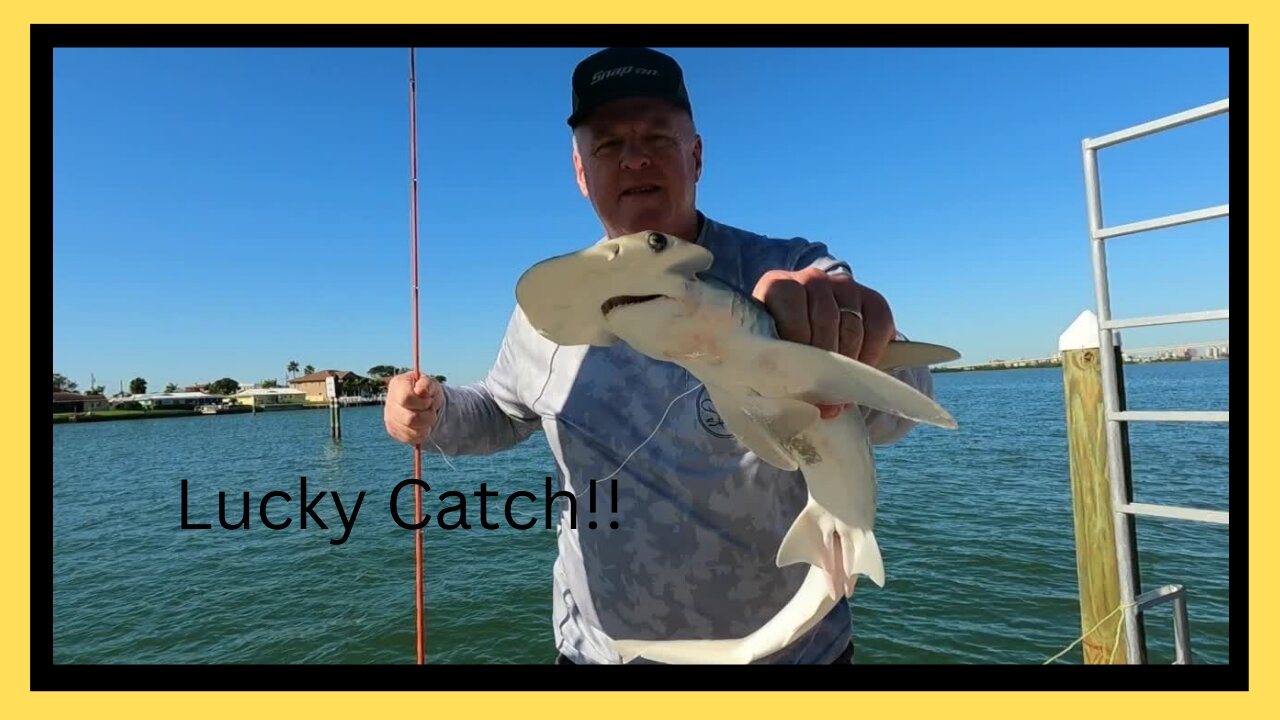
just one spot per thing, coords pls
(810, 603)
(687, 652)
(843, 552)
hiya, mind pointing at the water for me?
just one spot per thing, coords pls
(975, 526)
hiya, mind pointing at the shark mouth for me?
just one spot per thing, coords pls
(620, 300)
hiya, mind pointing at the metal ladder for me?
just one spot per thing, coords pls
(1117, 451)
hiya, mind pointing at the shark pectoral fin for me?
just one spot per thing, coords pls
(908, 353)
(764, 425)
(822, 377)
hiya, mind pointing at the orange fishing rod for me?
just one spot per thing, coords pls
(417, 371)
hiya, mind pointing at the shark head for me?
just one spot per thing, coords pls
(568, 298)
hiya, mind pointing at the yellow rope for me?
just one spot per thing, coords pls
(1080, 639)
(1116, 645)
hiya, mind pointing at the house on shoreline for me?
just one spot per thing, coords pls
(70, 402)
(315, 385)
(263, 397)
(172, 401)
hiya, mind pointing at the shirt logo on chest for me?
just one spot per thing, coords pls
(709, 418)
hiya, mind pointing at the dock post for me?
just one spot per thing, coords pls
(335, 412)
(1092, 501)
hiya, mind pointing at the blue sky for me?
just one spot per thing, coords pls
(220, 212)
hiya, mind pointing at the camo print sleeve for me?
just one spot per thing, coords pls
(882, 427)
(490, 416)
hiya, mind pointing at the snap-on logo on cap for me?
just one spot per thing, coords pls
(620, 71)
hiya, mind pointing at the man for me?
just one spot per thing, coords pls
(699, 517)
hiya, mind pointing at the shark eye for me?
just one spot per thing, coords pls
(657, 242)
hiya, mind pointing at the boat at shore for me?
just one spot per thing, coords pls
(224, 409)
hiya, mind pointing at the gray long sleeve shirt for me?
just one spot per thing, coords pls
(700, 517)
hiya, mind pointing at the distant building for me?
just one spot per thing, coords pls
(174, 400)
(261, 397)
(64, 402)
(315, 385)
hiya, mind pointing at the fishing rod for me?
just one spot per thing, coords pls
(417, 371)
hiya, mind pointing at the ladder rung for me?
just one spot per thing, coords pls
(1164, 123)
(1201, 316)
(1163, 594)
(1164, 221)
(1214, 416)
(1180, 513)
(1177, 595)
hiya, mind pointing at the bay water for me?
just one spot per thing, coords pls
(975, 526)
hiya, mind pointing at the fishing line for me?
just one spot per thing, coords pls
(578, 494)
(444, 456)
(655, 432)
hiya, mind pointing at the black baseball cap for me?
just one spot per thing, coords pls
(615, 73)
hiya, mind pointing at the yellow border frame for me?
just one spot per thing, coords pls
(15, 530)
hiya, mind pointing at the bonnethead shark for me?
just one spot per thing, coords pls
(649, 290)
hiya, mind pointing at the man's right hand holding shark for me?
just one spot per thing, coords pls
(828, 310)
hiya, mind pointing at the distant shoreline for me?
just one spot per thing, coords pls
(974, 368)
(110, 415)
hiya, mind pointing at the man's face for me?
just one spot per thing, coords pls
(638, 162)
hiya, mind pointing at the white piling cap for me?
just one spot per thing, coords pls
(1081, 334)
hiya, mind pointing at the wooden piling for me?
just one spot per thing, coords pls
(1094, 513)
(335, 409)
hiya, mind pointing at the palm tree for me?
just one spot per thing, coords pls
(308, 369)
(291, 369)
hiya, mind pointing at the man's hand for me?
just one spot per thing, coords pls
(413, 403)
(806, 307)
